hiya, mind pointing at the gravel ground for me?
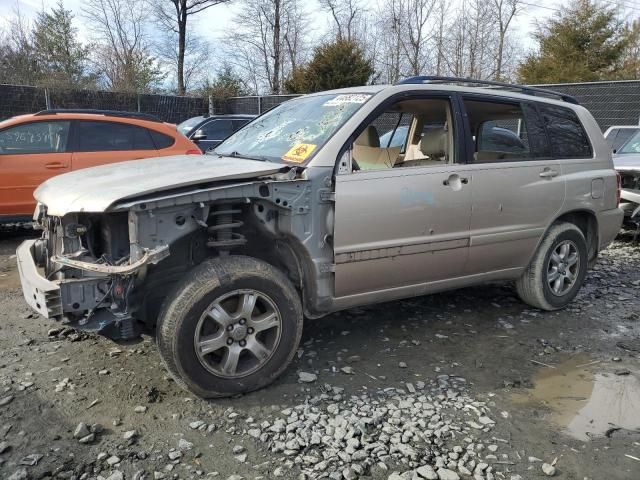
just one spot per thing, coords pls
(465, 384)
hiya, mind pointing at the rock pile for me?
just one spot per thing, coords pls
(435, 433)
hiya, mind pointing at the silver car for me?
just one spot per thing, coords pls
(303, 212)
(627, 162)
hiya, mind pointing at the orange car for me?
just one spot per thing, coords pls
(38, 146)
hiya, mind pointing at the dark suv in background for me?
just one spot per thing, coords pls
(209, 131)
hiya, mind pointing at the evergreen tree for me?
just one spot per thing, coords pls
(584, 42)
(225, 85)
(341, 63)
(60, 55)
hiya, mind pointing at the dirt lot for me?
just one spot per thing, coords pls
(561, 389)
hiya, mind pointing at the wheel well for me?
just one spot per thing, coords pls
(587, 222)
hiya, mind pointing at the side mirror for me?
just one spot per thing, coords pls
(614, 150)
(199, 135)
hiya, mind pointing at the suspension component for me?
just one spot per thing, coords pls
(221, 228)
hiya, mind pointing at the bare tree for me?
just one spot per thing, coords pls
(196, 62)
(173, 15)
(122, 50)
(269, 43)
(504, 11)
(405, 29)
(346, 15)
(18, 58)
(417, 14)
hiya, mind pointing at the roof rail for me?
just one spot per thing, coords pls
(111, 113)
(525, 89)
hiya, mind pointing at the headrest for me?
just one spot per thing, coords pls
(368, 138)
(435, 142)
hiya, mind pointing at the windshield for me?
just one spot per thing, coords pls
(188, 125)
(295, 130)
(632, 145)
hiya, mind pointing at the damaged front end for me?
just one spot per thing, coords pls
(630, 196)
(82, 270)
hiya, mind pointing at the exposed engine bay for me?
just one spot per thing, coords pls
(112, 270)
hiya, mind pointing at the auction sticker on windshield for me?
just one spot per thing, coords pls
(299, 152)
(351, 98)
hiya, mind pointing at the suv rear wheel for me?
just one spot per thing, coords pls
(231, 326)
(557, 270)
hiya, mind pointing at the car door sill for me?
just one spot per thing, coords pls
(397, 293)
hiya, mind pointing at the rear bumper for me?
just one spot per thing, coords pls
(41, 294)
(609, 224)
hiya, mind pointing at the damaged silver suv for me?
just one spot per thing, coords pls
(328, 201)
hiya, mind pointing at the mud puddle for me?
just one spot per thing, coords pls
(586, 398)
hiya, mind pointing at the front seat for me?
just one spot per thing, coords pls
(367, 152)
(435, 146)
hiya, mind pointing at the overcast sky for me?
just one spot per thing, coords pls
(212, 23)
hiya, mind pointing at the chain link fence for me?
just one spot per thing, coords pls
(250, 105)
(18, 100)
(611, 103)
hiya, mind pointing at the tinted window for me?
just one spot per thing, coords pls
(112, 136)
(500, 132)
(218, 129)
(566, 135)
(36, 137)
(161, 140)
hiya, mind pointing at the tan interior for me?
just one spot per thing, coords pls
(368, 153)
(429, 140)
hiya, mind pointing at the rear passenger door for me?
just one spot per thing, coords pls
(517, 189)
(98, 142)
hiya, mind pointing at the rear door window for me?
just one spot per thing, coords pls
(500, 131)
(112, 136)
(35, 137)
(566, 134)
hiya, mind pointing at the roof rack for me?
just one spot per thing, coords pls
(111, 113)
(525, 89)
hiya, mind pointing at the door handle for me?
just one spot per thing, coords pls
(54, 165)
(548, 173)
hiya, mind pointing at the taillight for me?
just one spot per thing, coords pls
(193, 151)
(619, 177)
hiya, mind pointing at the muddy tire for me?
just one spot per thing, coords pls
(231, 326)
(557, 271)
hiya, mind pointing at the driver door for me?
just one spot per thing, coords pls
(405, 224)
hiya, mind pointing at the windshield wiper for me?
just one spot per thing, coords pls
(236, 154)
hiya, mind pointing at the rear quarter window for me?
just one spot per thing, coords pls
(567, 136)
(161, 140)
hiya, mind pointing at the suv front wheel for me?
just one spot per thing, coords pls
(558, 269)
(231, 326)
